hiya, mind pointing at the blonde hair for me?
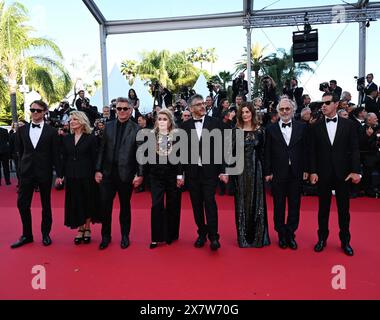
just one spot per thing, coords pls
(169, 114)
(83, 120)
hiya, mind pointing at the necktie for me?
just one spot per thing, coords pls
(36, 125)
(284, 125)
(333, 120)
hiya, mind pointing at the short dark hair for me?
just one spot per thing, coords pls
(334, 96)
(195, 97)
(333, 81)
(122, 99)
(41, 103)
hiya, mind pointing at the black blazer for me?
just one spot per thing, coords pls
(277, 153)
(212, 169)
(38, 163)
(4, 142)
(127, 163)
(370, 88)
(342, 157)
(78, 161)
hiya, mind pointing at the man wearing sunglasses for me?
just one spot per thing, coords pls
(334, 164)
(37, 145)
(118, 171)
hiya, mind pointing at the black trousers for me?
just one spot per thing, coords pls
(342, 194)
(24, 200)
(289, 190)
(165, 220)
(108, 188)
(4, 162)
(202, 195)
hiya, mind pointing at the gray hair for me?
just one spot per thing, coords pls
(285, 99)
(304, 110)
(194, 97)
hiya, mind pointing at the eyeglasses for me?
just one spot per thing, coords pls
(284, 109)
(123, 109)
(187, 115)
(36, 110)
(199, 104)
(327, 103)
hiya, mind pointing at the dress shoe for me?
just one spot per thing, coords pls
(23, 240)
(124, 244)
(321, 244)
(215, 245)
(46, 240)
(200, 242)
(347, 249)
(282, 244)
(104, 244)
(292, 244)
(153, 245)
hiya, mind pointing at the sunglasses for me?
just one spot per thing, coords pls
(36, 110)
(327, 103)
(122, 109)
(284, 109)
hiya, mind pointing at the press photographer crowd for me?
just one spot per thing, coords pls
(90, 142)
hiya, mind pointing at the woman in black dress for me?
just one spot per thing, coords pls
(166, 180)
(79, 152)
(250, 204)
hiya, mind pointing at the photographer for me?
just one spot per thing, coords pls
(293, 92)
(60, 115)
(83, 104)
(165, 98)
(369, 141)
(239, 86)
(335, 89)
(270, 98)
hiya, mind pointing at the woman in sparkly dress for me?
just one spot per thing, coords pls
(166, 180)
(250, 204)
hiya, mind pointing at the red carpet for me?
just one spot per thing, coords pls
(181, 271)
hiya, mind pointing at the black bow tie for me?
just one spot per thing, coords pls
(36, 125)
(200, 120)
(284, 125)
(333, 120)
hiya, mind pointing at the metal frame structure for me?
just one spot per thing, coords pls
(247, 18)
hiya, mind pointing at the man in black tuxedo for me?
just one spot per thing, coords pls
(334, 164)
(117, 170)
(37, 145)
(4, 155)
(371, 86)
(285, 165)
(202, 177)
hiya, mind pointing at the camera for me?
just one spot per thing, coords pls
(324, 86)
(360, 83)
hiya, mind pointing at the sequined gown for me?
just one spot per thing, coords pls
(250, 204)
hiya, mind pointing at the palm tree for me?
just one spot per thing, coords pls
(19, 53)
(282, 67)
(258, 63)
(129, 69)
(226, 77)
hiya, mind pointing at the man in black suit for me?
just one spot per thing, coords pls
(202, 176)
(117, 170)
(294, 92)
(83, 104)
(371, 86)
(285, 165)
(335, 89)
(4, 155)
(37, 145)
(239, 86)
(334, 164)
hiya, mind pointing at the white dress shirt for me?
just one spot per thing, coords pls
(331, 128)
(199, 127)
(286, 132)
(35, 133)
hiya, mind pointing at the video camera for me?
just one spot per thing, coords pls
(360, 83)
(324, 86)
(210, 86)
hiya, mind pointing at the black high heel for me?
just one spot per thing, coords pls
(87, 238)
(78, 239)
(153, 245)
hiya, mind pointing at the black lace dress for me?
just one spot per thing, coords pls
(250, 204)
